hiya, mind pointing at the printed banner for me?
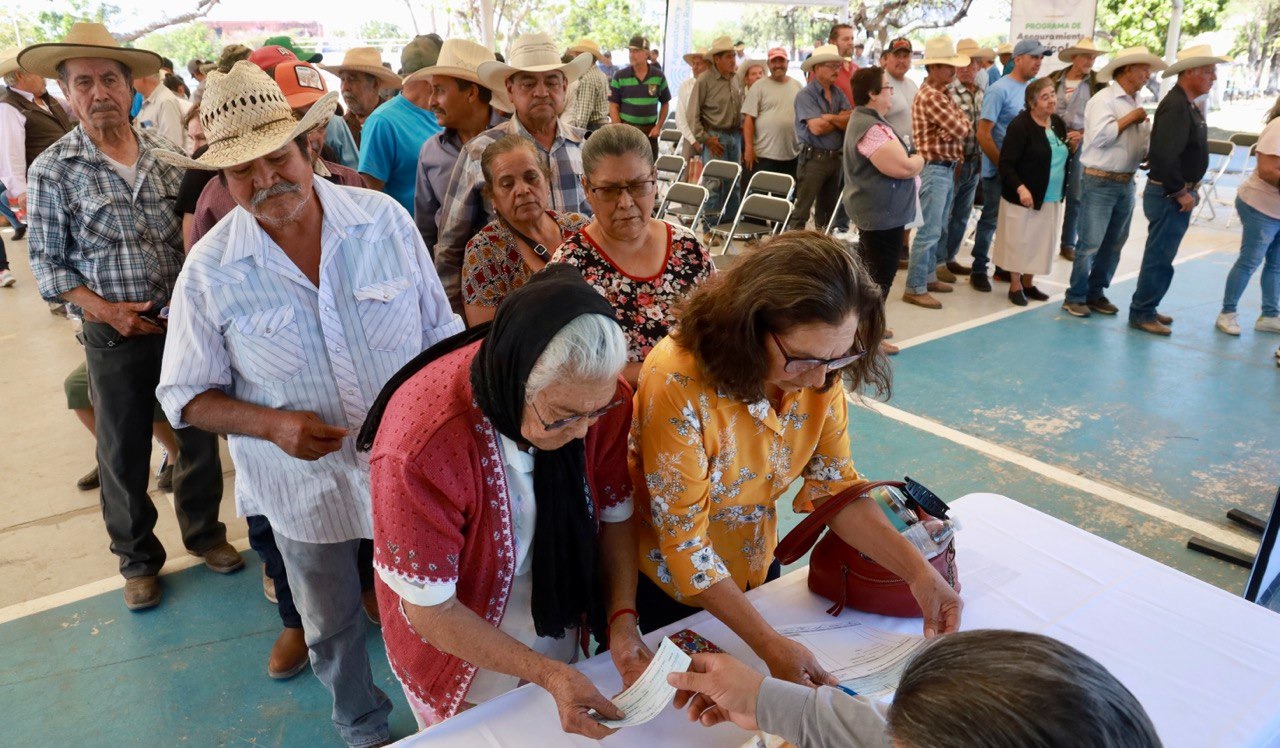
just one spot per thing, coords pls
(1058, 24)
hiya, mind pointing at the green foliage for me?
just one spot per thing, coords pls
(382, 30)
(51, 25)
(182, 43)
(609, 23)
(1146, 22)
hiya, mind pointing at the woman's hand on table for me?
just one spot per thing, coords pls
(941, 604)
(792, 661)
(575, 697)
(628, 650)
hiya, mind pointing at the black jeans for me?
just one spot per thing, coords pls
(774, 165)
(123, 374)
(657, 608)
(262, 539)
(879, 253)
(818, 187)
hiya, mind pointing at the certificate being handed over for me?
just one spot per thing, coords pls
(650, 694)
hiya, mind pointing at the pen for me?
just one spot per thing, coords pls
(847, 690)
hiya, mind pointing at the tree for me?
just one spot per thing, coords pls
(1258, 41)
(382, 30)
(610, 23)
(192, 40)
(1146, 22)
(902, 17)
(21, 28)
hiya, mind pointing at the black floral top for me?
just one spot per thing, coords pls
(645, 306)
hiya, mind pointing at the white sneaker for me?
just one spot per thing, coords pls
(6, 278)
(1267, 324)
(1228, 323)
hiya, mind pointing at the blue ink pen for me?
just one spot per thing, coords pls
(847, 690)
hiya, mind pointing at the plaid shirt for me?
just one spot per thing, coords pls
(588, 101)
(88, 228)
(970, 102)
(465, 211)
(938, 127)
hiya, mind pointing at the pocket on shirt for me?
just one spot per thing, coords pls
(387, 313)
(99, 226)
(269, 344)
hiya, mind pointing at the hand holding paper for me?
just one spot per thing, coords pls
(648, 696)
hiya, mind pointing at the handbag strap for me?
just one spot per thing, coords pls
(804, 535)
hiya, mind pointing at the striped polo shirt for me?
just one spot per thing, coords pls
(639, 101)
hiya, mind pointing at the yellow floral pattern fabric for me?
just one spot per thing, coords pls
(708, 470)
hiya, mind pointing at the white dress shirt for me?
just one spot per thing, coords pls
(245, 320)
(13, 145)
(1105, 147)
(161, 114)
(682, 108)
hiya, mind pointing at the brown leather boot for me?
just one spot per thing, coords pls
(288, 655)
(142, 592)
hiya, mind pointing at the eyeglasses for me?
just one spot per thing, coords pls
(562, 422)
(637, 190)
(886, 88)
(801, 365)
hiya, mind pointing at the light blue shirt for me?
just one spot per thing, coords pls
(390, 141)
(246, 321)
(994, 73)
(1057, 166)
(337, 137)
(1001, 103)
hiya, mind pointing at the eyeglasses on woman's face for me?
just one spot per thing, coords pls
(793, 365)
(560, 423)
(611, 193)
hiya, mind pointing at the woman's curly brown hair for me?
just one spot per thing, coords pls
(795, 278)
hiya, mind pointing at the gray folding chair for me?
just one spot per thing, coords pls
(670, 139)
(726, 172)
(1221, 153)
(768, 183)
(670, 169)
(758, 210)
(683, 204)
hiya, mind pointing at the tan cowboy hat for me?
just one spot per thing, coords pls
(1083, 47)
(531, 53)
(9, 61)
(1005, 48)
(970, 47)
(459, 58)
(700, 52)
(246, 116)
(586, 45)
(940, 51)
(721, 44)
(746, 65)
(825, 53)
(1201, 55)
(1130, 56)
(367, 60)
(86, 40)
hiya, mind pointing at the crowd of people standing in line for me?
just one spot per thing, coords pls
(573, 423)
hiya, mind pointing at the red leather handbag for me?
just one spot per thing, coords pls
(843, 574)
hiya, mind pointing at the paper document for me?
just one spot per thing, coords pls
(649, 695)
(864, 659)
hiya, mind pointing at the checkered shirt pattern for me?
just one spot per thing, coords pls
(938, 126)
(970, 102)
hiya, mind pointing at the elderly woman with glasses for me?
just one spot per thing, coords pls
(642, 265)
(501, 505)
(743, 399)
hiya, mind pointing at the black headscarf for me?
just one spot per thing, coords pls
(566, 578)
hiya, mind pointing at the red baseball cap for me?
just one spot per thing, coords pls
(901, 43)
(300, 82)
(778, 52)
(270, 56)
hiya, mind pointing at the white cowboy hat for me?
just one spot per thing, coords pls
(459, 58)
(367, 60)
(531, 53)
(825, 53)
(970, 47)
(86, 40)
(940, 51)
(245, 116)
(1083, 47)
(1130, 56)
(721, 44)
(1199, 56)
(1005, 48)
(699, 53)
(9, 61)
(746, 65)
(586, 45)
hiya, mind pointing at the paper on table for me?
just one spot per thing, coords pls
(650, 694)
(864, 659)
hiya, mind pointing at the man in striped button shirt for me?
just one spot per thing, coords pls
(638, 93)
(289, 317)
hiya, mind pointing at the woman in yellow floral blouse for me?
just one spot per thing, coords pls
(742, 400)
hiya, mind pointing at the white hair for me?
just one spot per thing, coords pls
(591, 348)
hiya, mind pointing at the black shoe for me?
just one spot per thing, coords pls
(90, 481)
(1035, 294)
(1001, 275)
(1018, 298)
(1102, 306)
(980, 282)
(20, 232)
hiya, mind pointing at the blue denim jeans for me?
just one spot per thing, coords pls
(937, 186)
(5, 210)
(326, 589)
(1106, 210)
(1071, 210)
(961, 207)
(986, 224)
(1166, 225)
(1259, 244)
(722, 203)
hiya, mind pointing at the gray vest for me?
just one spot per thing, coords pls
(874, 202)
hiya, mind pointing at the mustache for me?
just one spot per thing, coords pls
(105, 106)
(275, 190)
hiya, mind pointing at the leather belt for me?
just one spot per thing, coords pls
(1189, 186)
(1114, 176)
(809, 150)
(948, 164)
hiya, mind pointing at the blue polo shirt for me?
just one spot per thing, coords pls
(390, 142)
(1002, 102)
(812, 102)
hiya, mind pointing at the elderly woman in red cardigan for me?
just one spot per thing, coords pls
(502, 504)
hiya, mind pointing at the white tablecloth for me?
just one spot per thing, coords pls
(1204, 663)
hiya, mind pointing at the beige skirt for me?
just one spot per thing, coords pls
(1027, 239)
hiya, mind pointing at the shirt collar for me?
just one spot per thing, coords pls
(341, 216)
(563, 132)
(516, 458)
(24, 94)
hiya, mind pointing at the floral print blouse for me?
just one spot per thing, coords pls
(493, 267)
(645, 306)
(708, 470)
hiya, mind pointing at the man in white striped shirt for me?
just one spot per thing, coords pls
(288, 318)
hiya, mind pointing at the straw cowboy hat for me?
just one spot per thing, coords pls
(746, 65)
(700, 52)
(86, 40)
(367, 60)
(970, 47)
(825, 53)
(1005, 48)
(9, 61)
(1130, 56)
(940, 51)
(246, 116)
(531, 53)
(459, 58)
(586, 45)
(1083, 47)
(1201, 55)
(721, 44)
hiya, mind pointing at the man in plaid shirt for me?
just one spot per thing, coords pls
(588, 99)
(967, 92)
(938, 129)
